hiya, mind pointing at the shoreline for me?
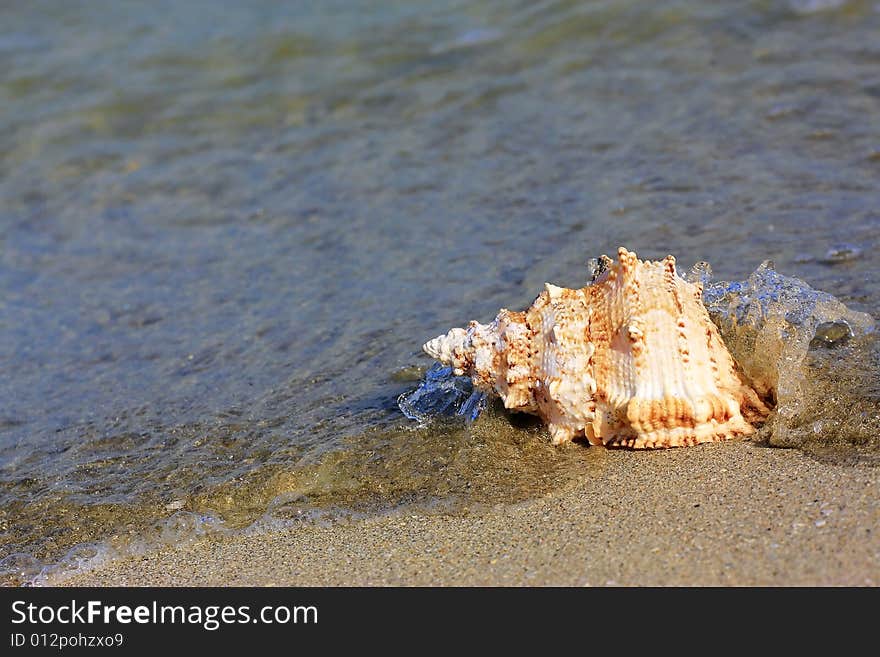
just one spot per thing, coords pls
(721, 514)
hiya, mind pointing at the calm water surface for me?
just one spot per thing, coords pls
(226, 228)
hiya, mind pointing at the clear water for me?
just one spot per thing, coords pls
(227, 228)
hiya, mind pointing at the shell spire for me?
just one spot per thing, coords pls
(630, 360)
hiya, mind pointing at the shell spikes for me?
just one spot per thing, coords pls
(630, 360)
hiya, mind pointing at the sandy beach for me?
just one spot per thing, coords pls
(727, 514)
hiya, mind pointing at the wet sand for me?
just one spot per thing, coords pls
(726, 514)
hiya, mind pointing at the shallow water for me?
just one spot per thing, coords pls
(226, 230)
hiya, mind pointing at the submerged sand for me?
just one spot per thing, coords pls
(720, 514)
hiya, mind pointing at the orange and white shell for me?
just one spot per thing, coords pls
(631, 360)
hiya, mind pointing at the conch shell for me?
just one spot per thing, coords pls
(631, 360)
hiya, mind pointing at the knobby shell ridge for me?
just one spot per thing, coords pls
(631, 360)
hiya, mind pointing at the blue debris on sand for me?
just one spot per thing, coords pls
(442, 393)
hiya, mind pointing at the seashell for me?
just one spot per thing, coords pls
(630, 360)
